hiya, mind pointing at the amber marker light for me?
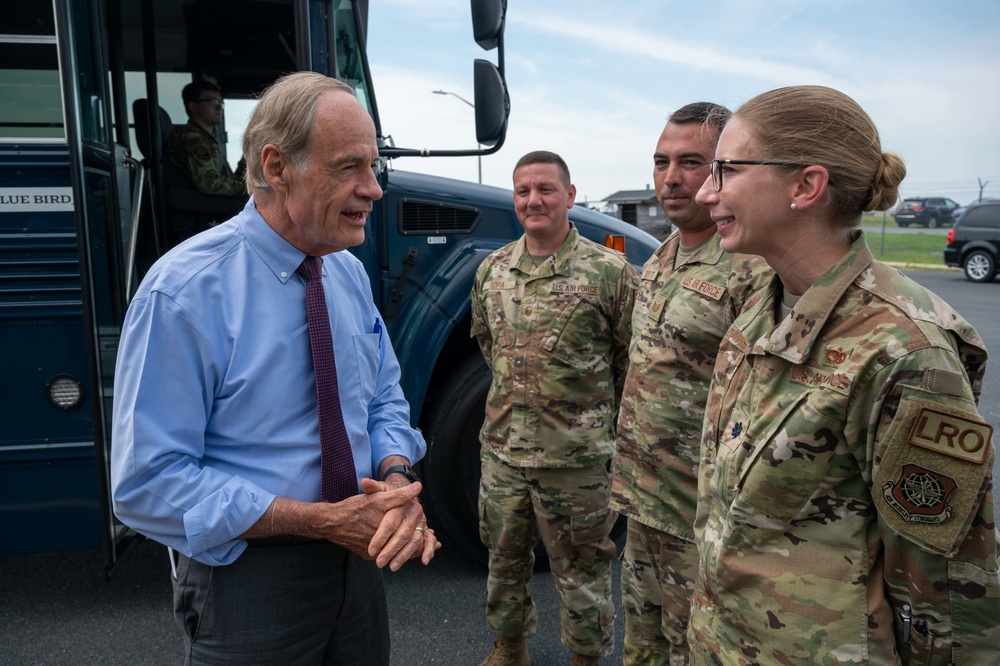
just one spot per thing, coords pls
(615, 242)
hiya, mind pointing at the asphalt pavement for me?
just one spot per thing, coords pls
(59, 609)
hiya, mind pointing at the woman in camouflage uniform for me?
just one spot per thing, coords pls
(845, 488)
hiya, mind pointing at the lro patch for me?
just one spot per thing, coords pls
(951, 435)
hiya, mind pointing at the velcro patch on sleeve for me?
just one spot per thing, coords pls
(931, 469)
(944, 381)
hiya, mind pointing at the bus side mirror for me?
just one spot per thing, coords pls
(487, 22)
(492, 103)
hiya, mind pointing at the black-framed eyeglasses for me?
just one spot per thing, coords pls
(214, 101)
(716, 170)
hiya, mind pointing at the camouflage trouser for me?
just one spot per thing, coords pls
(658, 574)
(569, 510)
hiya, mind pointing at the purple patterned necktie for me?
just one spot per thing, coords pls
(337, 478)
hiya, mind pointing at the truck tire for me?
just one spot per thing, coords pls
(932, 222)
(451, 468)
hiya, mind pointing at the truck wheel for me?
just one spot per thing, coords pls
(451, 469)
(980, 266)
(932, 222)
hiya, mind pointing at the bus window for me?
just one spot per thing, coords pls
(29, 74)
(169, 86)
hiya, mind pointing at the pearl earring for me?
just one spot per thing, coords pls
(793, 205)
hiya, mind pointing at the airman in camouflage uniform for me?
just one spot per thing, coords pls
(845, 500)
(193, 147)
(551, 313)
(690, 292)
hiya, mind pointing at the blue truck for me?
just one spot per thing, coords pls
(87, 203)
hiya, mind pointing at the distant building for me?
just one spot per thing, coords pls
(640, 208)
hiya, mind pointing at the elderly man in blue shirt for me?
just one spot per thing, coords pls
(219, 407)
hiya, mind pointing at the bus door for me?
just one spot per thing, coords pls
(105, 182)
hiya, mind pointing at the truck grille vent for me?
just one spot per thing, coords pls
(421, 217)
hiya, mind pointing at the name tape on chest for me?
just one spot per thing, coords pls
(500, 285)
(951, 435)
(737, 339)
(837, 380)
(565, 288)
(713, 291)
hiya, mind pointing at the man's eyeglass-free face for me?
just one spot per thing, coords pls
(715, 168)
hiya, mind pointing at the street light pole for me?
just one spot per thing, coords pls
(479, 158)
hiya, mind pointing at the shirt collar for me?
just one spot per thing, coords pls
(708, 253)
(281, 257)
(561, 263)
(202, 130)
(794, 336)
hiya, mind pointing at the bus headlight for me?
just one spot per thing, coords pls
(64, 392)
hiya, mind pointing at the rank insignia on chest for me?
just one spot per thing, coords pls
(737, 429)
(920, 495)
(835, 355)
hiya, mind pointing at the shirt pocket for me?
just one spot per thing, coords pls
(367, 355)
(573, 332)
(646, 325)
(499, 325)
(775, 471)
(974, 596)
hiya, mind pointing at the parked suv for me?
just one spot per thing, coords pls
(974, 241)
(930, 212)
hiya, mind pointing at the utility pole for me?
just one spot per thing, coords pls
(479, 158)
(982, 186)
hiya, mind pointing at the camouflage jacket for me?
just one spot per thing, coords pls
(197, 153)
(845, 488)
(681, 313)
(556, 338)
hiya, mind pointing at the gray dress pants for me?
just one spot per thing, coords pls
(298, 604)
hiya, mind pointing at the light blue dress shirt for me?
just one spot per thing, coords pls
(215, 409)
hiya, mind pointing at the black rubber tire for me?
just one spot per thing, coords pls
(902, 225)
(451, 468)
(979, 266)
(932, 222)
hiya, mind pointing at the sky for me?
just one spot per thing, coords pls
(594, 81)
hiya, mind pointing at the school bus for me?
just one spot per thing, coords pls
(89, 91)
